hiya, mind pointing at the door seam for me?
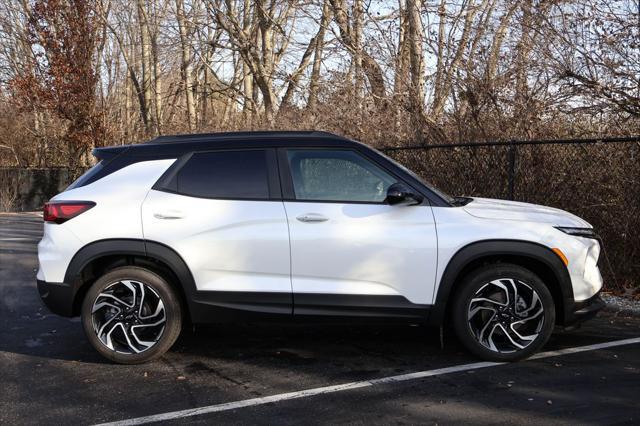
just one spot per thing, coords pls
(286, 215)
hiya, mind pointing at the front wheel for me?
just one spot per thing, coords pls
(503, 312)
(131, 315)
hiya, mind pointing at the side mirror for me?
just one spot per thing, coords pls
(400, 194)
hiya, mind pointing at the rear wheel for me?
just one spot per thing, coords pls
(131, 315)
(503, 312)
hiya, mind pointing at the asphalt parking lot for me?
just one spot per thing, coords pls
(50, 374)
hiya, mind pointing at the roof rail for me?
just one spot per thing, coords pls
(232, 135)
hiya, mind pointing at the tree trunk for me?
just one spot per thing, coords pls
(186, 69)
(248, 107)
(498, 39)
(157, 87)
(357, 13)
(145, 46)
(294, 77)
(442, 92)
(370, 67)
(440, 60)
(317, 57)
(415, 39)
(264, 76)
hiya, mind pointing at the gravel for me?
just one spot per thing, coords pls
(622, 305)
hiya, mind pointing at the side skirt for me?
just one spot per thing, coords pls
(219, 306)
(230, 306)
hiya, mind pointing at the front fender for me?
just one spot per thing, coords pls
(520, 252)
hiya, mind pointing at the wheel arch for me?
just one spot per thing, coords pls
(538, 258)
(97, 257)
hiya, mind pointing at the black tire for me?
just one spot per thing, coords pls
(158, 292)
(473, 322)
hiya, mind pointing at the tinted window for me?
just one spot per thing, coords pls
(337, 176)
(225, 174)
(82, 180)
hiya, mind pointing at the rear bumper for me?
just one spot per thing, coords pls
(583, 310)
(58, 297)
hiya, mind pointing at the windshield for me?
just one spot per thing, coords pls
(448, 198)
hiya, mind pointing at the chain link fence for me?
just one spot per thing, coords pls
(596, 179)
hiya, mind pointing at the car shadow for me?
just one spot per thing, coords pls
(44, 335)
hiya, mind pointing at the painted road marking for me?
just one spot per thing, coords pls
(354, 385)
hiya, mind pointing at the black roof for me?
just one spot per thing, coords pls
(176, 145)
(257, 135)
(166, 147)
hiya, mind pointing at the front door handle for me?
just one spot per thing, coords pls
(312, 217)
(169, 215)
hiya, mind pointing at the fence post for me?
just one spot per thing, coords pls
(511, 171)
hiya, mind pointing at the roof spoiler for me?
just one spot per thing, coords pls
(108, 153)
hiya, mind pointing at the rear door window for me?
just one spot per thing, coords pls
(241, 175)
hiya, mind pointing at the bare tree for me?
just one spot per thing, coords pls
(351, 38)
(595, 52)
(74, 71)
(61, 34)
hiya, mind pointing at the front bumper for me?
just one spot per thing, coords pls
(58, 297)
(579, 312)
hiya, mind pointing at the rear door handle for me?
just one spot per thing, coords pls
(312, 217)
(169, 215)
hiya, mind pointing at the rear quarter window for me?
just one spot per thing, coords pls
(87, 176)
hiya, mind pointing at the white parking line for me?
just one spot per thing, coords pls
(354, 385)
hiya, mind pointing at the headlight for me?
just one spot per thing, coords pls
(578, 232)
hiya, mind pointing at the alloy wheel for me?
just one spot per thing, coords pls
(505, 315)
(128, 317)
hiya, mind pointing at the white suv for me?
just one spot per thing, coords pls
(302, 225)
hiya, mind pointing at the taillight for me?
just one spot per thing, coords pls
(62, 211)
